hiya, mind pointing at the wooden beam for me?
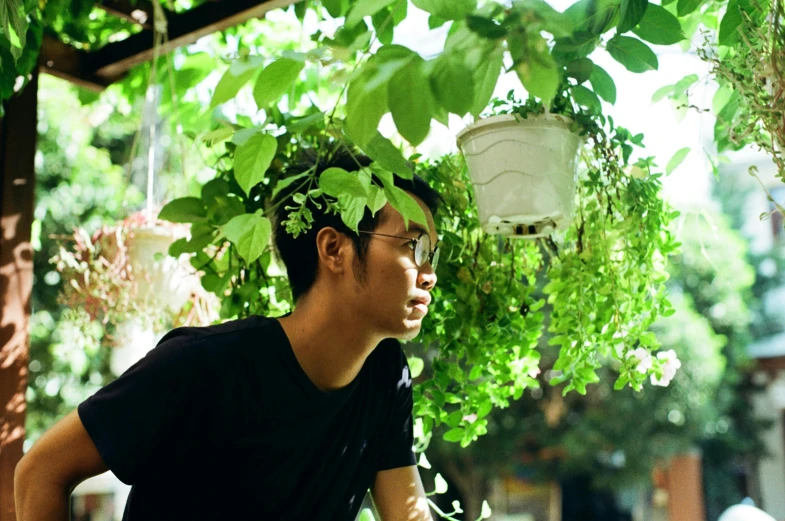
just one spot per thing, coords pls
(139, 12)
(185, 28)
(772, 364)
(69, 63)
(18, 134)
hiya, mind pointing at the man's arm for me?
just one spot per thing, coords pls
(45, 477)
(399, 495)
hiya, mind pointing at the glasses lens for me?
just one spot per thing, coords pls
(435, 260)
(422, 250)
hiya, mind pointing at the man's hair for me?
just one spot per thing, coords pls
(299, 253)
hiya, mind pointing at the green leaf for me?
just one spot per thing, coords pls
(363, 9)
(676, 89)
(486, 75)
(586, 98)
(631, 13)
(405, 204)
(540, 76)
(416, 365)
(387, 155)
(201, 236)
(453, 435)
(659, 27)
(235, 77)
(382, 25)
(660, 93)
(450, 86)
(336, 8)
(216, 136)
(447, 9)
(337, 181)
(376, 200)
(685, 7)
(283, 183)
(485, 27)
(252, 159)
(178, 247)
(13, 22)
(364, 109)
(580, 69)
(411, 102)
(223, 208)
(676, 160)
(729, 25)
(434, 22)
(250, 233)
(213, 189)
(720, 98)
(635, 55)
(352, 210)
(275, 80)
(184, 210)
(603, 84)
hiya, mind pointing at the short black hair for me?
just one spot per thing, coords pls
(299, 254)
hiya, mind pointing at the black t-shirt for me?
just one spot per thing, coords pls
(221, 422)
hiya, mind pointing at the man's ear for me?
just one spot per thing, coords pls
(335, 249)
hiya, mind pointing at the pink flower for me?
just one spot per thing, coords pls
(534, 372)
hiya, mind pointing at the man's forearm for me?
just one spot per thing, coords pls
(38, 500)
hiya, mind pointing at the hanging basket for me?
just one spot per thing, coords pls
(157, 277)
(523, 172)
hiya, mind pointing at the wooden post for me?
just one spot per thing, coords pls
(685, 488)
(17, 172)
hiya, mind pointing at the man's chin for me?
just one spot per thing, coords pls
(411, 329)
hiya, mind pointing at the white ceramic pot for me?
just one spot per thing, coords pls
(523, 172)
(167, 281)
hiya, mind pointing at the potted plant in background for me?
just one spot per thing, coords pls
(122, 277)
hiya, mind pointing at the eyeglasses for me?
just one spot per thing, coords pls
(421, 246)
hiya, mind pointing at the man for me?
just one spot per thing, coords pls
(261, 418)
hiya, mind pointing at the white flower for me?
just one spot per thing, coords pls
(670, 364)
(471, 418)
(645, 361)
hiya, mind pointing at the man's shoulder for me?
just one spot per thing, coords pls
(216, 338)
(239, 327)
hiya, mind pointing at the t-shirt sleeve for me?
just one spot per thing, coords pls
(147, 415)
(399, 438)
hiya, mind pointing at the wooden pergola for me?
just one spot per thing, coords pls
(94, 70)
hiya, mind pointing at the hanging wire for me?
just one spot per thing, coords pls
(160, 37)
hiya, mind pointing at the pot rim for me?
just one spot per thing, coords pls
(558, 119)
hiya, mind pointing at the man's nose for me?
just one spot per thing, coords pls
(427, 277)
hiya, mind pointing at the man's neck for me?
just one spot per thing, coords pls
(330, 346)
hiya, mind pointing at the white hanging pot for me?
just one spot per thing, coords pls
(523, 172)
(168, 280)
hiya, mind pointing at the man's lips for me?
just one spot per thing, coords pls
(421, 304)
(421, 307)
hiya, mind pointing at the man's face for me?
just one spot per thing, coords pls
(393, 293)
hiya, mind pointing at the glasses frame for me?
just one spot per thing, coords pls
(432, 256)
